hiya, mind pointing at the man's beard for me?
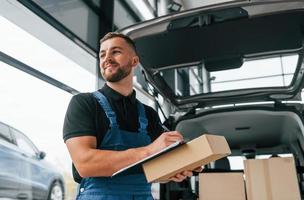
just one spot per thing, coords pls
(121, 73)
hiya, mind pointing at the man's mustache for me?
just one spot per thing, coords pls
(112, 62)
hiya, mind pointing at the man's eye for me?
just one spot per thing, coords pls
(116, 52)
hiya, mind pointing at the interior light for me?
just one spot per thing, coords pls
(174, 7)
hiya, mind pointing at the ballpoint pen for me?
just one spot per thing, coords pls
(164, 127)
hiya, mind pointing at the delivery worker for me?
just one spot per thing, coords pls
(110, 129)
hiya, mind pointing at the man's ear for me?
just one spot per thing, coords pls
(135, 61)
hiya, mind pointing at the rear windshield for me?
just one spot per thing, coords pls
(237, 162)
(275, 71)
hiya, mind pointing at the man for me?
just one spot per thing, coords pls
(109, 129)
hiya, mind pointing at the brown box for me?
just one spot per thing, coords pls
(221, 186)
(189, 156)
(271, 179)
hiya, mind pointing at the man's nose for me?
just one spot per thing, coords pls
(108, 57)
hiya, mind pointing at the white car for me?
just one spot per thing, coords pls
(233, 69)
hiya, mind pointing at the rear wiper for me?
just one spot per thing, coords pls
(206, 19)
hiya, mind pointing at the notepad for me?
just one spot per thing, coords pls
(167, 149)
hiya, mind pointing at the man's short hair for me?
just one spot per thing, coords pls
(111, 35)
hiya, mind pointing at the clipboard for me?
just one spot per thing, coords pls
(139, 163)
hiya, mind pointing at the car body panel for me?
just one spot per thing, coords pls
(24, 175)
(10, 166)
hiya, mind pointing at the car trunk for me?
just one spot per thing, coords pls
(260, 130)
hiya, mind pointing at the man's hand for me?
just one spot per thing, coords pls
(183, 175)
(164, 140)
(199, 169)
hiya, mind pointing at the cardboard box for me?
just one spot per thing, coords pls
(197, 152)
(271, 179)
(222, 186)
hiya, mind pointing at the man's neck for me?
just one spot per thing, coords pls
(124, 87)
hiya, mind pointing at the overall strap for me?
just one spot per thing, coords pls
(143, 121)
(104, 103)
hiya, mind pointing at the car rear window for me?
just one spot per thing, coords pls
(5, 133)
(267, 72)
(237, 162)
(275, 71)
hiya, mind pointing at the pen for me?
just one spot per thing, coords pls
(164, 127)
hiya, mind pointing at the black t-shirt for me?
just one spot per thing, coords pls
(85, 117)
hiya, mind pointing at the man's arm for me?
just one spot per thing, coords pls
(92, 162)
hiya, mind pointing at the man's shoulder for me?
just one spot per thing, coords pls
(82, 98)
(85, 96)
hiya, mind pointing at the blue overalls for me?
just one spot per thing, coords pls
(125, 187)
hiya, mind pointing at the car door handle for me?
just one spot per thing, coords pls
(22, 196)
